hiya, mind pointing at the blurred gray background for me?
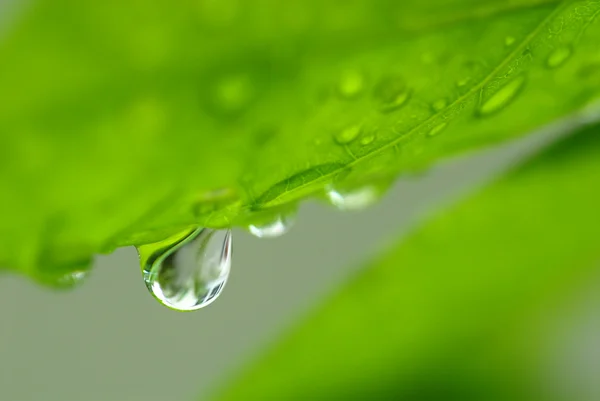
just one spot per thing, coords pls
(110, 340)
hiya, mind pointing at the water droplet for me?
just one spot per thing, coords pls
(354, 199)
(437, 129)
(502, 97)
(187, 271)
(347, 135)
(463, 82)
(367, 139)
(391, 93)
(72, 279)
(559, 56)
(351, 84)
(509, 40)
(439, 105)
(231, 95)
(276, 227)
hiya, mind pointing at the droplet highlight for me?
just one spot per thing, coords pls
(279, 225)
(559, 56)
(354, 199)
(391, 93)
(502, 97)
(347, 134)
(187, 271)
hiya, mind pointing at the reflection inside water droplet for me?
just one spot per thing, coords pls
(276, 227)
(187, 271)
(355, 199)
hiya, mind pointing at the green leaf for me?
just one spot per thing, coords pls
(453, 311)
(122, 123)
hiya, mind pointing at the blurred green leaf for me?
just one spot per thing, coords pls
(122, 123)
(453, 312)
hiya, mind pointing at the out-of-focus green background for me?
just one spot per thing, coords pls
(109, 340)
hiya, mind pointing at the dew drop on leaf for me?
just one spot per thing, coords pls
(187, 271)
(353, 199)
(276, 227)
(437, 129)
(509, 40)
(463, 82)
(347, 134)
(439, 105)
(351, 84)
(559, 56)
(231, 94)
(502, 97)
(391, 93)
(367, 139)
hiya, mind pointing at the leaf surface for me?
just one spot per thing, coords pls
(121, 124)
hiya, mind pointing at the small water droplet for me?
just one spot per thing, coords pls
(437, 129)
(509, 40)
(559, 56)
(351, 84)
(463, 82)
(367, 139)
(354, 199)
(347, 135)
(439, 105)
(391, 93)
(72, 279)
(231, 95)
(187, 271)
(276, 227)
(502, 97)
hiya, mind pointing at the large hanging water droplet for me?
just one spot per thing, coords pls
(276, 227)
(187, 271)
(559, 56)
(503, 96)
(353, 199)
